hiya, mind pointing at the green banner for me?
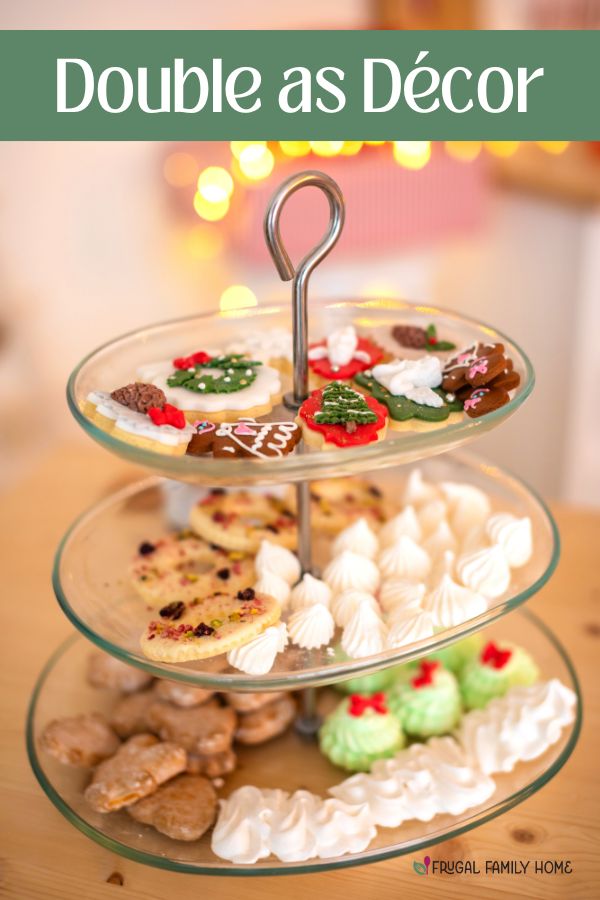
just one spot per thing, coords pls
(295, 85)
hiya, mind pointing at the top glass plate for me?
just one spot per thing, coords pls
(115, 364)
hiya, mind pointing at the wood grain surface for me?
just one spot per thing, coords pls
(42, 856)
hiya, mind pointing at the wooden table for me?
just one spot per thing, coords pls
(42, 856)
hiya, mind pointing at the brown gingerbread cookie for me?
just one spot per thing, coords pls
(130, 715)
(183, 809)
(105, 671)
(245, 703)
(213, 765)
(454, 373)
(484, 369)
(136, 770)
(206, 729)
(244, 438)
(266, 723)
(179, 694)
(83, 740)
(482, 400)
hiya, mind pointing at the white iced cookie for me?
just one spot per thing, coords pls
(412, 378)
(431, 515)
(485, 571)
(440, 541)
(468, 505)
(271, 346)
(340, 348)
(358, 538)
(134, 427)
(397, 593)
(409, 629)
(418, 491)
(344, 605)
(451, 604)
(258, 655)
(404, 559)
(517, 727)
(405, 523)
(274, 558)
(311, 627)
(350, 570)
(274, 586)
(514, 536)
(308, 591)
(365, 634)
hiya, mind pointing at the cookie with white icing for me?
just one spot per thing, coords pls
(342, 355)
(271, 346)
(245, 438)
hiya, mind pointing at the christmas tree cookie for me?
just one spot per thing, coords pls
(499, 667)
(338, 416)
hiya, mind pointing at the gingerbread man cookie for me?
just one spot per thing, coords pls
(244, 438)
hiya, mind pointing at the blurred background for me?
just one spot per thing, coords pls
(100, 238)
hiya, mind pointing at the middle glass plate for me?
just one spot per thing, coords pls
(91, 577)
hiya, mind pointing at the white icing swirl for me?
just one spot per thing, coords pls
(514, 536)
(412, 378)
(404, 559)
(485, 571)
(243, 827)
(420, 782)
(440, 541)
(469, 506)
(292, 835)
(311, 627)
(451, 604)
(265, 346)
(273, 558)
(350, 570)
(418, 491)
(342, 828)
(258, 655)
(340, 348)
(310, 590)
(274, 586)
(397, 593)
(365, 633)
(517, 727)
(359, 538)
(405, 523)
(409, 628)
(344, 605)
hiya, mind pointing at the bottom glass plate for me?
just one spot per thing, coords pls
(288, 762)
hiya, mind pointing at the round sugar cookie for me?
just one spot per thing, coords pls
(240, 520)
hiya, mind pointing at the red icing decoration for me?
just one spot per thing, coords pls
(493, 656)
(425, 677)
(337, 434)
(324, 368)
(359, 704)
(168, 415)
(194, 359)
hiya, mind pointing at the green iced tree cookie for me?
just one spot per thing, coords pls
(341, 404)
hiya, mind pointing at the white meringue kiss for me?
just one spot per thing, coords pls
(469, 506)
(258, 655)
(514, 536)
(451, 604)
(350, 570)
(397, 593)
(440, 541)
(274, 585)
(311, 627)
(273, 558)
(418, 491)
(310, 590)
(485, 571)
(365, 633)
(404, 559)
(344, 605)
(408, 629)
(431, 515)
(405, 523)
(359, 538)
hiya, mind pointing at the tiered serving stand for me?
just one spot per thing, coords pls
(90, 574)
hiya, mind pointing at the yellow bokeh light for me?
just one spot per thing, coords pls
(215, 184)
(237, 296)
(256, 162)
(326, 148)
(203, 241)
(180, 169)
(238, 147)
(412, 154)
(374, 143)
(502, 148)
(351, 148)
(212, 212)
(554, 147)
(463, 150)
(295, 148)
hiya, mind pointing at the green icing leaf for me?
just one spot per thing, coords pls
(440, 346)
(341, 404)
(401, 408)
(238, 373)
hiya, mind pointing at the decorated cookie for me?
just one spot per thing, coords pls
(203, 730)
(428, 701)
(410, 389)
(80, 740)
(136, 770)
(498, 667)
(183, 809)
(106, 671)
(213, 765)
(244, 438)
(417, 338)
(240, 520)
(359, 731)
(267, 722)
(127, 415)
(130, 715)
(184, 695)
(456, 656)
(217, 388)
(457, 367)
(483, 400)
(338, 416)
(271, 346)
(342, 354)
(183, 568)
(482, 376)
(339, 502)
(208, 627)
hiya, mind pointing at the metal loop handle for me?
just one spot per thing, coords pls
(300, 276)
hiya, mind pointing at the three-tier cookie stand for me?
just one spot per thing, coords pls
(90, 575)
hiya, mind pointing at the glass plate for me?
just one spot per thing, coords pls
(115, 364)
(91, 583)
(288, 762)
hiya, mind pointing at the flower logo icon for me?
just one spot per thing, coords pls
(422, 868)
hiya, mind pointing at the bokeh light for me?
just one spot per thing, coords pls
(180, 169)
(203, 242)
(326, 148)
(238, 147)
(412, 154)
(554, 147)
(295, 148)
(463, 150)
(212, 212)
(256, 162)
(502, 148)
(215, 184)
(237, 296)
(351, 148)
